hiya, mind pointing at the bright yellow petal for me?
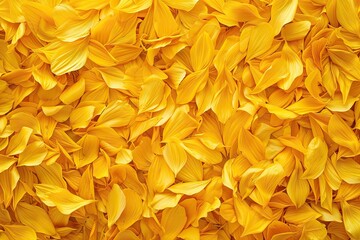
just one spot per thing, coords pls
(179, 126)
(19, 141)
(315, 158)
(347, 16)
(116, 114)
(173, 221)
(351, 216)
(70, 25)
(116, 204)
(298, 189)
(165, 200)
(19, 232)
(160, 175)
(267, 182)
(33, 154)
(162, 14)
(202, 52)
(261, 38)
(151, 95)
(132, 211)
(342, 134)
(202, 153)
(251, 146)
(73, 92)
(129, 6)
(100, 55)
(81, 117)
(296, 30)
(185, 5)
(314, 230)
(189, 188)
(61, 198)
(66, 57)
(175, 156)
(36, 218)
(348, 170)
(282, 12)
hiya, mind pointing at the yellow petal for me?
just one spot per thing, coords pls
(163, 14)
(294, 65)
(185, 5)
(192, 83)
(241, 12)
(165, 200)
(66, 57)
(267, 182)
(282, 12)
(298, 189)
(314, 230)
(342, 134)
(301, 215)
(351, 216)
(315, 158)
(173, 221)
(348, 170)
(33, 154)
(296, 30)
(190, 233)
(24, 119)
(179, 126)
(19, 232)
(160, 175)
(129, 6)
(19, 141)
(73, 92)
(347, 61)
(280, 112)
(189, 188)
(151, 95)
(124, 53)
(192, 170)
(261, 38)
(202, 153)
(116, 204)
(202, 52)
(100, 55)
(44, 77)
(81, 117)
(347, 16)
(50, 174)
(61, 198)
(89, 151)
(6, 162)
(175, 156)
(124, 156)
(70, 25)
(251, 146)
(252, 221)
(60, 112)
(36, 218)
(132, 211)
(87, 5)
(116, 114)
(272, 75)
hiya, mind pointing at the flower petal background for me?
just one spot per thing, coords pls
(186, 119)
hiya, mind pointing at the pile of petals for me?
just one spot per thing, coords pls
(179, 119)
